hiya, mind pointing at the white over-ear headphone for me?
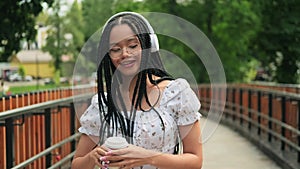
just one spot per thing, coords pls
(153, 37)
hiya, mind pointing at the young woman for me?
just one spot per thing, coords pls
(138, 100)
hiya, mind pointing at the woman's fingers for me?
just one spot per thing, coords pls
(98, 155)
(102, 150)
(127, 163)
(105, 148)
(114, 158)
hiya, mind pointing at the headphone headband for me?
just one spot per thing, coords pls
(153, 37)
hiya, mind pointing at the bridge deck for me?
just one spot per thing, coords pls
(226, 149)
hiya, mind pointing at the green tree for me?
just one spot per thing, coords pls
(225, 23)
(65, 35)
(73, 29)
(54, 41)
(95, 13)
(21, 71)
(175, 46)
(128, 5)
(17, 23)
(233, 29)
(230, 25)
(73, 36)
(277, 44)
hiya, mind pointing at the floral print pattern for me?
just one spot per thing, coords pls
(178, 106)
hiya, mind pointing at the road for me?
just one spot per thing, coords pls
(23, 83)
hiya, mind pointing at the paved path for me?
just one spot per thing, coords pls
(226, 149)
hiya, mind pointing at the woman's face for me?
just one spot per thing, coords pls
(125, 50)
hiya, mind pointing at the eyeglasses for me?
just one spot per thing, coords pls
(116, 51)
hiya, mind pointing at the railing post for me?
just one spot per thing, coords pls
(9, 134)
(208, 97)
(283, 120)
(72, 127)
(234, 104)
(48, 135)
(249, 108)
(298, 129)
(241, 106)
(227, 100)
(259, 112)
(270, 109)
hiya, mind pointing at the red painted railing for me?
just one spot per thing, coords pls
(271, 114)
(29, 130)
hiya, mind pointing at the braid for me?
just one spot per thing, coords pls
(108, 76)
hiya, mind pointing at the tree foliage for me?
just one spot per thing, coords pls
(233, 28)
(226, 24)
(17, 23)
(277, 43)
(65, 35)
(246, 34)
(74, 26)
(95, 13)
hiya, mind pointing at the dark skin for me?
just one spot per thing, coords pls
(128, 64)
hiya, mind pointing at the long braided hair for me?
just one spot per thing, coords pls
(109, 81)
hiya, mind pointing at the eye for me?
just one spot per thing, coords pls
(115, 49)
(133, 46)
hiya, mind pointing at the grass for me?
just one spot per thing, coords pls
(27, 89)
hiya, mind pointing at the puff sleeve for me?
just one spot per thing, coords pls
(182, 102)
(90, 119)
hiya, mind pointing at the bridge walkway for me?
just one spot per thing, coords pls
(227, 149)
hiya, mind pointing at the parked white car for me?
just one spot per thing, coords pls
(28, 78)
(15, 77)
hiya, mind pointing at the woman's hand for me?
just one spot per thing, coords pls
(130, 157)
(98, 156)
(87, 155)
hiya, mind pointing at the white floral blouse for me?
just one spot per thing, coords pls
(178, 106)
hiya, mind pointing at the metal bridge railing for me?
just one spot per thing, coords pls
(269, 118)
(47, 115)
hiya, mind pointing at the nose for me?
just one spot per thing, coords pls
(125, 52)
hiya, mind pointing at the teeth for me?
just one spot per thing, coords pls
(127, 62)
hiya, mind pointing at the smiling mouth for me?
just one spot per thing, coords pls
(128, 63)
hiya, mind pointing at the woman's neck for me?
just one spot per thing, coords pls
(128, 83)
(153, 91)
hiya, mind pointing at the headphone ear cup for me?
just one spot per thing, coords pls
(154, 43)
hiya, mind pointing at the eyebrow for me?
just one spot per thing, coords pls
(129, 39)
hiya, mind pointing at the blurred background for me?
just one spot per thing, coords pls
(41, 42)
(257, 41)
